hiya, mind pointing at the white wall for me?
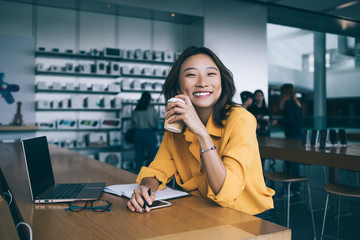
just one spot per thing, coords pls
(17, 62)
(236, 32)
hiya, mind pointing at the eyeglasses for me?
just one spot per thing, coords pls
(97, 206)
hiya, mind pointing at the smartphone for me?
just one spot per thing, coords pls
(323, 138)
(342, 137)
(314, 137)
(159, 204)
(333, 137)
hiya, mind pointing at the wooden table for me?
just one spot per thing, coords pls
(292, 150)
(188, 218)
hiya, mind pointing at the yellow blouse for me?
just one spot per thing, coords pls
(244, 188)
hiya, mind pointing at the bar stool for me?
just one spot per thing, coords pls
(339, 190)
(289, 179)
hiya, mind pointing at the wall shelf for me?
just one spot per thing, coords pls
(74, 91)
(76, 109)
(78, 130)
(140, 91)
(75, 74)
(92, 57)
(10, 128)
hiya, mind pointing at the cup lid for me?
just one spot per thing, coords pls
(176, 99)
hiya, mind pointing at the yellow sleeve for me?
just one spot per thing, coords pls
(238, 156)
(162, 167)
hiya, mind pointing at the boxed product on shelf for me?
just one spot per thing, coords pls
(158, 72)
(157, 86)
(113, 68)
(148, 55)
(46, 125)
(146, 71)
(115, 138)
(125, 70)
(56, 85)
(97, 87)
(116, 103)
(94, 52)
(136, 84)
(64, 103)
(129, 54)
(138, 54)
(83, 87)
(54, 104)
(92, 102)
(69, 67)
(126, 84)
(76, 102)
(110, 123)
(96, 139)
(41, 85)
(112, 158)
(112, 52)
(66, 124)
(54, 68)
(146, 86)
(105, 101)
(157, 55)
(70, 51)
(177, 55)
(89, 123)
(40, 67)
(168, 56)
(114, 87)
(99, 67)
(135, 71)
(55, 50)
(83, 68)
(69, 86)
(42, 49)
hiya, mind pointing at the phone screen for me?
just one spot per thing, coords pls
(160, 204)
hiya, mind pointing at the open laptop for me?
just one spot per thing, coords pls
(41, 177)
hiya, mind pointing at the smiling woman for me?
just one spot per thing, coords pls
(216, 156)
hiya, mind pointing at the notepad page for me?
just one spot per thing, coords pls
(127, 190)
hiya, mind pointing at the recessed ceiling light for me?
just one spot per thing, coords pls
(345, 5)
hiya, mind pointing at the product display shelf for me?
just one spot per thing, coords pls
(77, 109)
(75, 74)
(78, 129)
(140, 91)
(73, 91)
(94, 57)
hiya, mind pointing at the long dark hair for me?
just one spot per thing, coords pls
(223, 106)
(287, 92)
(263, 105)
(143, 102)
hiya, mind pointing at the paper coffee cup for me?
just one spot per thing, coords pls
(176, 126)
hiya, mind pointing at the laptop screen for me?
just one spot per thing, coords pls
(38, 163)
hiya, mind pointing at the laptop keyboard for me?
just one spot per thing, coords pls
(66, 191)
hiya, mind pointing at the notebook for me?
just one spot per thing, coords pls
(41, 177)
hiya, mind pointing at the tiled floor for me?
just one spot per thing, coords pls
(300, 219)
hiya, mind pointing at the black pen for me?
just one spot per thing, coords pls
(145, 202)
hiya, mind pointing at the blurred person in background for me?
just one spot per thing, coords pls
(292, 121)
(246, 99)
(144, 120)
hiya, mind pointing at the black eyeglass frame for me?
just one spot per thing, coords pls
(104, 208)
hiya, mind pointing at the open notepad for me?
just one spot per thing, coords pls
(127, 190)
